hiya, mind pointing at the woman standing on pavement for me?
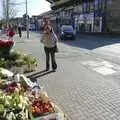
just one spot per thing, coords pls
(11, 32)
(20, 30)
(49, 46)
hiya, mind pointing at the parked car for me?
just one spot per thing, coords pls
(67, 32)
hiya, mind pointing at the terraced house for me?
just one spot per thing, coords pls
(88, 15)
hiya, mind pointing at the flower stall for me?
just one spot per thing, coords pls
(5, 46)
(15, 60)
(21, 99)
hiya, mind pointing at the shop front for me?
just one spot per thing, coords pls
(89, 22)
(84, 22)
(90, 19)
(98, 22)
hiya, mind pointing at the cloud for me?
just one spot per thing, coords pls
(35, 7)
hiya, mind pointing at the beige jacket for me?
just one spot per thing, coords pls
(48, 41)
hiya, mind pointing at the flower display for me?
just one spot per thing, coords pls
(5, 47)
(14, 99)
(9, 43)
(6, 43)
(2, 42)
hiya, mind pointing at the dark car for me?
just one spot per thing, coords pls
(67, 32)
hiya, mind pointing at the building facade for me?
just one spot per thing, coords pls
(88, 15)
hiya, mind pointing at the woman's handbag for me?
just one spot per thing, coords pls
(55, 38)
(56, 48)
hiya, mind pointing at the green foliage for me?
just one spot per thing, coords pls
(15, 106)
(29, 60)
(14, 55)
(19, 63)
(18, 59)
(2, 62)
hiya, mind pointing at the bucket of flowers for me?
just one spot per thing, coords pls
(5, 47)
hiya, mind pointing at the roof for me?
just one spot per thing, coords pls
(50, 1)
(57, 4)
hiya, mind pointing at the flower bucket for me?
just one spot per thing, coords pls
(5, 47)
(30, 68)
(58, 115)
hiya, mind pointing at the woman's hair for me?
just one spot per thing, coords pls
(48, 27)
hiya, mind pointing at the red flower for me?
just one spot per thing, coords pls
(8, 42)
(2, 42)
(11, 87)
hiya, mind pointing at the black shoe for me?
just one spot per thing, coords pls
(47, 69)
(53, 70)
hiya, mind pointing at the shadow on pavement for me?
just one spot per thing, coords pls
(92, 42)
(42, 73)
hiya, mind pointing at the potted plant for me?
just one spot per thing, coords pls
(30, 62)
(5, 46)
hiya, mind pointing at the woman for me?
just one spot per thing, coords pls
(11, 32)
(49, 47)
(20, 30)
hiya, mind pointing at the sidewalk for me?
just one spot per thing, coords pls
(82, 93)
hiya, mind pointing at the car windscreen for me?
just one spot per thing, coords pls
(67, 28)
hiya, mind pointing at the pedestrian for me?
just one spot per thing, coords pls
(11, 32)
(49, 46)
(20, 31)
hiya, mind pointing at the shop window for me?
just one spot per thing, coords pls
(91, 6)
(96, 4)
(85, 7)
(100, 4)
(97, 22)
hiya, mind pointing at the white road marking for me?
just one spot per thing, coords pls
(102, 67)
(104, 70)
(107, 64)
(92, 63)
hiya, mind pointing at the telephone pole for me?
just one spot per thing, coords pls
(27, 21)
(7, 11)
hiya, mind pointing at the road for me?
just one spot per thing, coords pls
(86, 84)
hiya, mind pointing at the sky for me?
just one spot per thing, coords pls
(35, 7)
(1, 9)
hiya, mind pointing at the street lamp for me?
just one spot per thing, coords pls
(27, 23)
(7, 11)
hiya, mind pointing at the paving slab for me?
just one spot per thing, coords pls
(82, 93)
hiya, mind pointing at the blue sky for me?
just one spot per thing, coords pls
(35, 7)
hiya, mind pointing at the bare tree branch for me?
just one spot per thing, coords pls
(12, 7)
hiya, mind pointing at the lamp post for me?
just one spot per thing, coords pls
(27, 22)
(7, 11)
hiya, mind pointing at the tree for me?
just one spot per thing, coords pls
(10, 9)
(13, 10)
